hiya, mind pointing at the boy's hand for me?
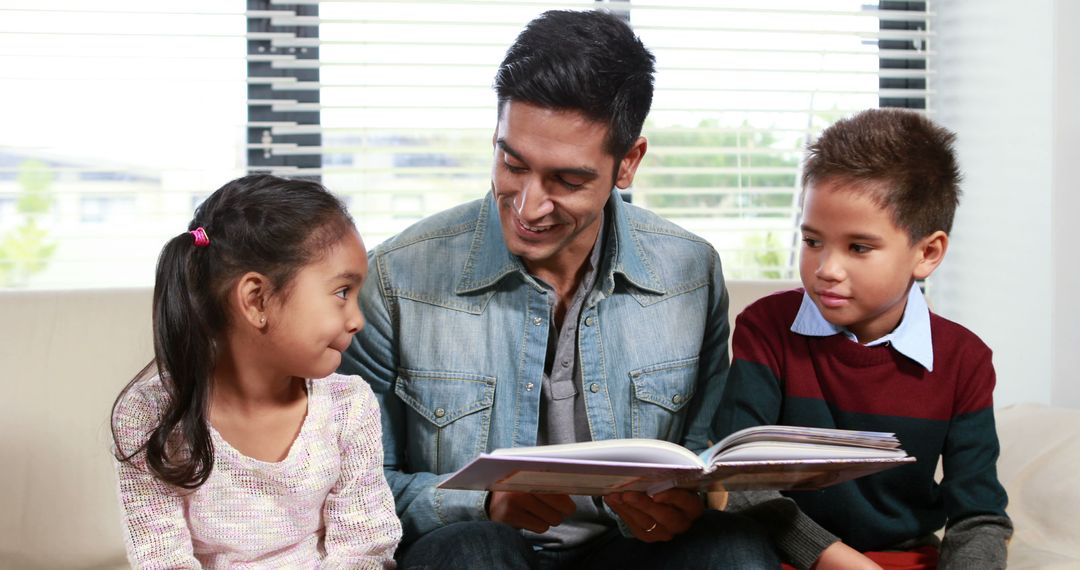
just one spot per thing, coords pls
(660, 517)
(840, 556)
(531, 512)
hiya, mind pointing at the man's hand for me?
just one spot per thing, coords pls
(659, 518)
(531, 512)
(840, 556)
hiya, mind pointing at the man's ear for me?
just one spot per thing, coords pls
(629, 164)
(252, 295)
(931, 251)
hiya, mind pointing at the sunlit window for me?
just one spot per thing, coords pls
(119, 117)
(408, 110)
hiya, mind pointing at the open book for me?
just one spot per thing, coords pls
(761, 457)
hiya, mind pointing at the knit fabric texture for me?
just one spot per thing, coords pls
(781, 377)
(326, 505)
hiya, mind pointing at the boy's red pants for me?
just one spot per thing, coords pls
(922, 558)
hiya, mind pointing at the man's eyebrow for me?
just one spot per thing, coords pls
(580, 171)
(505, 146)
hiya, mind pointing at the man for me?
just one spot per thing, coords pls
(551, 312)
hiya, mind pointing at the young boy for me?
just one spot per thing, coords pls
(858, 348)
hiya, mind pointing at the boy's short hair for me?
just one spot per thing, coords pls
(901, 158)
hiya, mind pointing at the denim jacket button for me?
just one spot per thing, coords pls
(676, 398)
(538, 321)
(529, 387)
(588, 321)
(594, 388)
(440, 412)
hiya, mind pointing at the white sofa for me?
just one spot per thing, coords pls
(64, 355)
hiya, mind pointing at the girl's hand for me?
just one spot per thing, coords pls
(840, 556)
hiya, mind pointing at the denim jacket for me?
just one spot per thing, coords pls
(457, 334)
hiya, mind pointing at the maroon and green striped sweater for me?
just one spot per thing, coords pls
(780, 377)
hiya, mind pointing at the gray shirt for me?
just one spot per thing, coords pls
(562, 409)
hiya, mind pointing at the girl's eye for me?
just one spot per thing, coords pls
(514, 169)
(811, 242)
(343, 293)
(859, 248)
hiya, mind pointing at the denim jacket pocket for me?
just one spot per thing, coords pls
(451, 410)
(661, 391)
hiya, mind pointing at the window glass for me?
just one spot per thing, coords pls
(115, 115)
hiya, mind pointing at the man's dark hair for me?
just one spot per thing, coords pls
(586, 61)
(902, 159)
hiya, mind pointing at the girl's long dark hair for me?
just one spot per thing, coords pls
(260, 223)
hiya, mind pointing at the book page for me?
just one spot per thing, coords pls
(649, 451)
(838, 443)
(779, 451)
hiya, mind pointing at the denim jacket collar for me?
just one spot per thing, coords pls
(489, 261)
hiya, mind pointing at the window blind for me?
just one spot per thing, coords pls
(408, 110)
(741, 88)
(124, 114)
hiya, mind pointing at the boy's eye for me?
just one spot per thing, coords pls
(859, 248)
(811, 242)
(343, 293)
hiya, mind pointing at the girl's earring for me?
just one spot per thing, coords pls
(262, 319)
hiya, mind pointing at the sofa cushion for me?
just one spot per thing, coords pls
(64, 356)
(1040, 454)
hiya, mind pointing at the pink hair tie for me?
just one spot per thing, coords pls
(201, 239)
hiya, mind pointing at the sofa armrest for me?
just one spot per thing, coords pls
(64, 356)
(1040, 455)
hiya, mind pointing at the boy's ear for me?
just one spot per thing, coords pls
(931, 251)
(252, 294)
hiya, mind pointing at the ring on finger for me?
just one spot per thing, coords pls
(651, 528)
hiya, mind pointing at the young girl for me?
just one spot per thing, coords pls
(237, 444)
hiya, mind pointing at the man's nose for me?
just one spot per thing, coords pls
(533, 202)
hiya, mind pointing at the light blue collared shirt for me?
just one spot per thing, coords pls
(911, 338)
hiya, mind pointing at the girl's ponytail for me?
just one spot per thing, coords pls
(180, 451)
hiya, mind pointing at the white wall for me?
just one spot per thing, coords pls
(1065, 202)
(1000, 76)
